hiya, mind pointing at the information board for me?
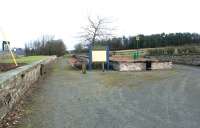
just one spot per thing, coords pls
(98, 56)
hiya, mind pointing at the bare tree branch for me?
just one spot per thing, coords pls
(97, 29)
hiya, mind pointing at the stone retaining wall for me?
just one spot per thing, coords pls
(127, 66)
(161, 65)
(184, 59)
(140, 66)
(14, 83)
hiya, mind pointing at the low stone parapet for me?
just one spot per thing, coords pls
(161, 65)
(128, 66)
(141, 65)
(183, 59)
(14, 83)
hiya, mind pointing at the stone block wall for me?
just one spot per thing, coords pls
(140, 66)
(14, 83)
(161, 65)
(128, 66)
(184, 59)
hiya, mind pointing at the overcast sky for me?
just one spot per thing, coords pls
(24, 20)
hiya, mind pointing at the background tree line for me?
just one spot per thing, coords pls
(46, 45)
(150, 41)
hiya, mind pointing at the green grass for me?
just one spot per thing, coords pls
(181, 50)
(26, 60)
(128, 52)
(66, 55)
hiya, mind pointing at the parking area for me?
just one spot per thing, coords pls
(149, 99)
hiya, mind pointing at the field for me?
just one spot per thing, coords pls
(24, 60)
(178, 50)
(7, 64)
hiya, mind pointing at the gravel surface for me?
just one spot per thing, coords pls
(153, 99)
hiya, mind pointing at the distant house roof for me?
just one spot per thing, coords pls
(19, 51)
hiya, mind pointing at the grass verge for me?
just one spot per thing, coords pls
(24, 59)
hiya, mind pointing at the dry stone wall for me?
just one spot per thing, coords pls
(140, 66)
(14, 83)
(126, 66)
(161, 65)
(184, 59)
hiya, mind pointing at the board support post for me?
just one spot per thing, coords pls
(107, 57)
(90, 58)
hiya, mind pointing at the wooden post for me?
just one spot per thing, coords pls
(83, 68)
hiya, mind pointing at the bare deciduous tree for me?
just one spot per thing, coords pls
(98, 28)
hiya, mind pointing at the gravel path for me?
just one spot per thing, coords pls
(155, 99)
